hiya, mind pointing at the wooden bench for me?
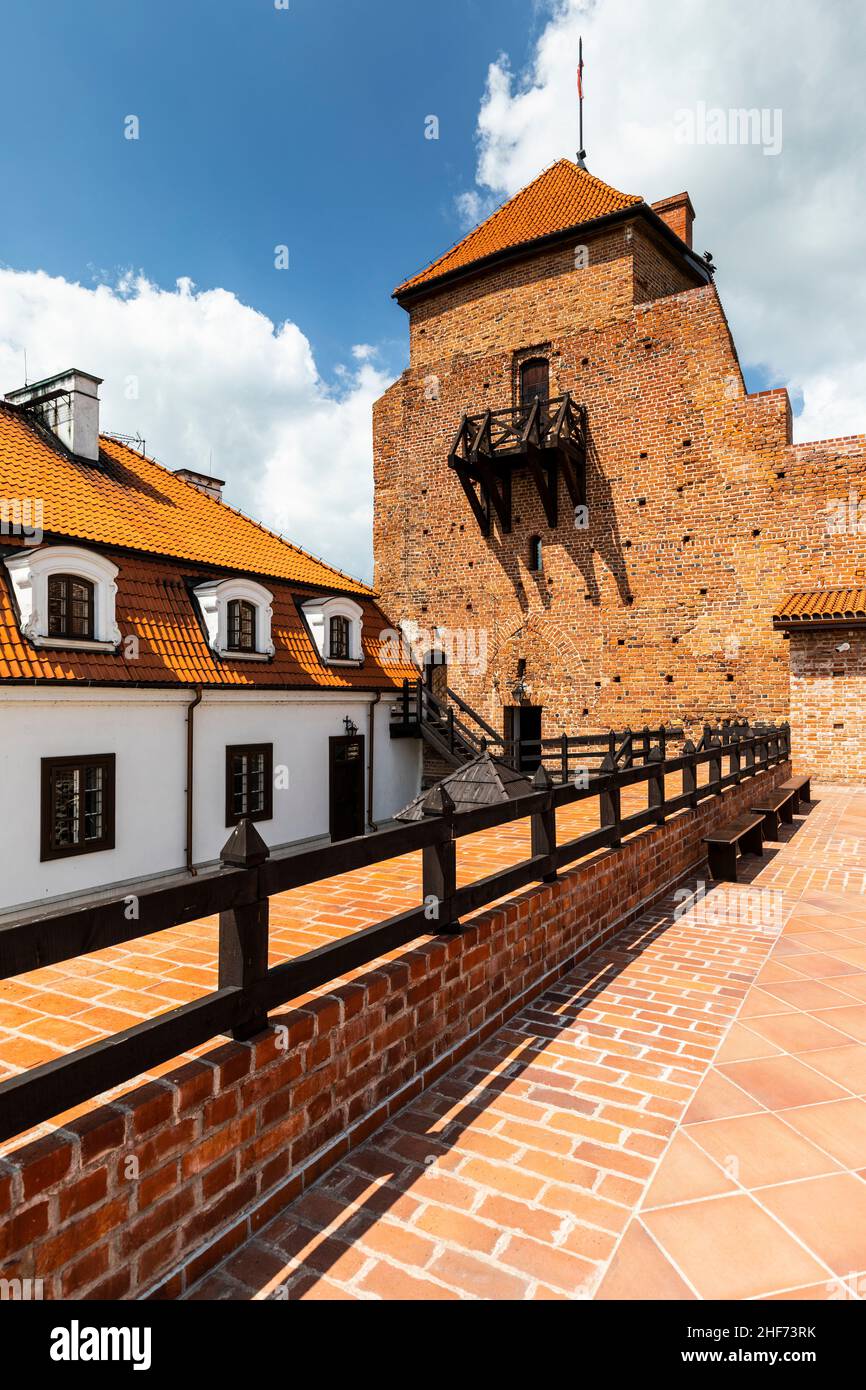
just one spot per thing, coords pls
(776, 806)
(801, 787)
(745, 833)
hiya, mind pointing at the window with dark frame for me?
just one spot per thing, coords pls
(536, 555)
(70, 607)
(249, 782)
(339, 648)
(241, 626)
(77, 805)
(535, 381)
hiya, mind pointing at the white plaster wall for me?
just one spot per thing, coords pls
(146, 730)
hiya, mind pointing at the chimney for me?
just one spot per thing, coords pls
(679, 215)
(211, 487)
(68, 404)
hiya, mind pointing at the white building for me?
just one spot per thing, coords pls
(168, 666)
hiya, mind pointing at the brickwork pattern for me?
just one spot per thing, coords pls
(702, 513)
(828, 703)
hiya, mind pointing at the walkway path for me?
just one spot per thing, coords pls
(683, 1116)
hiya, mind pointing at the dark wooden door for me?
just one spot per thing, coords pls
(523, 731)
(346, 787)
(535, 381)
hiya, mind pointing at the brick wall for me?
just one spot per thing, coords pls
(189, 1166)
(702, 513)
(828, 704)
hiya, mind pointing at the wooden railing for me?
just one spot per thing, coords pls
(239, 891)
(562, 755)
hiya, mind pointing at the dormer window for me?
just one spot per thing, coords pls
(237, 616)
(65, 597)
(241, 626)
(71, 605)
(336, 626)
(340, 638)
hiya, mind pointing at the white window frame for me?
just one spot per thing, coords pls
(213, 600)
(30, 571)
(319, 612)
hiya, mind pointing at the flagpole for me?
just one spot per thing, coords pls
(581, 153)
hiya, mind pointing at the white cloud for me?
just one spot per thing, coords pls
(212, 384)
(784, 230)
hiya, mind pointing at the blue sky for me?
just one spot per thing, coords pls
(150, 262)
(258, 127)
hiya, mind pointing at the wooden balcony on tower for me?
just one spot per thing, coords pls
(546, 437)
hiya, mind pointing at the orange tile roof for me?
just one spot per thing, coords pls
(130, 501)
(822, 606)
(562, 197)
(155, 605)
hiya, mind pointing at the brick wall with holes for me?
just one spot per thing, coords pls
(182, 1170)
(702, 513)
(828, 703)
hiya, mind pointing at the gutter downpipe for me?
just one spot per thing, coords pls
(371, 736)
(190, 731)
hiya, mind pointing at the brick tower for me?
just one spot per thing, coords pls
(575, 496)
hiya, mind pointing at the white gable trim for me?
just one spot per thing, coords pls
(30, 571)
(319, 612)
(213, 600)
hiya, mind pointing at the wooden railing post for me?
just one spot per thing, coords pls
(629, 747)
(406, 704)
(656, 792)
(749, 751)
(715, 764)
(647, 744)
(610, 803)
(564, 758)
(543, 825)
(734, 747)
(786, 739)
(243, 931)
(690, 774)
(439, 865)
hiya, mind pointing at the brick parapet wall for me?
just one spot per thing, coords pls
(828, 704)
(182, 1170)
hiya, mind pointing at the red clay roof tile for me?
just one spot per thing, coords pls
(561, 198)
(822, 606)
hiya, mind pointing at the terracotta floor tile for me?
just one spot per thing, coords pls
(760, 1003)
(639, 1270)
(727, 1247)
(839, 1128)
(757, 1149)
(743, 1043)
(813, 994)
(851, 1021)
(845, 1065)
(716, 1097)
(684, 1175)
(781, 1081)
(817, 966)
(798, 1032)
(828, 1215)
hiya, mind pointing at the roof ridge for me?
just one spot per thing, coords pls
(237, 511)
(584, 179)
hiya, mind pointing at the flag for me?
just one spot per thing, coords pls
(580, 74)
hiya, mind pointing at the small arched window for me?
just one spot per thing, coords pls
(340, 635)
(535, 381)
(70, 607)
(536, 558)
(241, 626)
